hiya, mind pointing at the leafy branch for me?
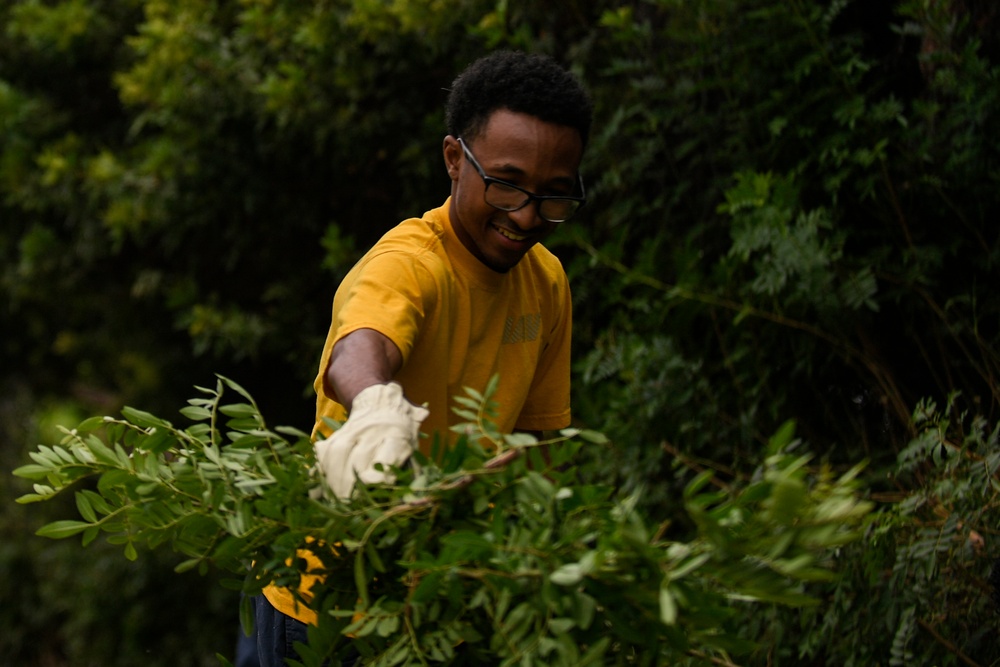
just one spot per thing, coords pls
(492, 552)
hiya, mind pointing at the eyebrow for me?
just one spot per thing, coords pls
(512, 170)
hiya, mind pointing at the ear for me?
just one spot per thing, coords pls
(452, 156)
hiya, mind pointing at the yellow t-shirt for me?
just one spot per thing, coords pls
(457, 323)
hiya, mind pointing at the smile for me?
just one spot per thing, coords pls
(511, 235)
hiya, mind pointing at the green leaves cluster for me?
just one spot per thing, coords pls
(499, 556)
(195, 488)
(918, 587)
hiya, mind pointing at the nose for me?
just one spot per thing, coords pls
(526, 218)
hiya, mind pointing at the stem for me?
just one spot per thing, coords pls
(894, 200)
(947, 644)
(698, 465)
(715, 661)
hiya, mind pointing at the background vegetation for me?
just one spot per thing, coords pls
(789, 219)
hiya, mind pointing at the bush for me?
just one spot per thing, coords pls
(490, 558)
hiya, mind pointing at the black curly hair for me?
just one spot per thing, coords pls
(532, 84)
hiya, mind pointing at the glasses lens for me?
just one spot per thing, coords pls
(504, 197)
(509, 198)
(557, 210)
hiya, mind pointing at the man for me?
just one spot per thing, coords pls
(464, 292)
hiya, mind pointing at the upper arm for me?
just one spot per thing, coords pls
(390, 293)
(359, 360)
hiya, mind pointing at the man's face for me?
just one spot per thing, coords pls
(536, 156)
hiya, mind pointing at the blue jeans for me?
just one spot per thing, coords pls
(246, 648)
(277, 633)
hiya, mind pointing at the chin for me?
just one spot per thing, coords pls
(501, 268)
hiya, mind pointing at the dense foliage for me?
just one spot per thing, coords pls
(497, 556)
(789, 219)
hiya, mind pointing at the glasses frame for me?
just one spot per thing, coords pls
(531, 196)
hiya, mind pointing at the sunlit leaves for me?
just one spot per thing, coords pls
(54, 27)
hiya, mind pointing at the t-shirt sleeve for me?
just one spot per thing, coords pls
(392, 293)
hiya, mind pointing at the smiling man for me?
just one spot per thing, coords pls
(447, 300)
(501, 219)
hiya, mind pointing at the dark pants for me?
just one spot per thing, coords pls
(277, 633)
(246, 651)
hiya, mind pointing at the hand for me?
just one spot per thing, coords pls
(382, 428)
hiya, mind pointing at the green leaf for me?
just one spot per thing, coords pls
(371, 551)
(520, 439)
(560, 626)
(491, 386)
(467, 545)
(102, 453)
(64, 455)
(361, 579)
(90, 424)
(584, 608)
(478, 398)
(293, 432)
(467, 415)
(85, 508)
(595, 654)
(32, 471)
(668, 606)
(698, 483)
(239, 410)
(247, 615)
(470, 403)
(143, 418)
(236, 387)
(243, 424)
(782, 438)
(388, 626)
(195, 413)
(688, 567)
(594, 437)
(428, 587)
(32, 498)
(58, 530)
(569, 574)
(90, 535)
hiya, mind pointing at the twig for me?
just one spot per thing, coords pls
(947, 644)
(699, 465)
(497, 462)
(715, 661)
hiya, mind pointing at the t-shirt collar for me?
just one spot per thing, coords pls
(462, 258)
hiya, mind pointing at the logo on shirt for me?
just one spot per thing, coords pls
(522, 329)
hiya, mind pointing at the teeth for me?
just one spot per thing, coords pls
(511, 235)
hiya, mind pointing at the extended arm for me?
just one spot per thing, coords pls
(382, 426)
(359, 360)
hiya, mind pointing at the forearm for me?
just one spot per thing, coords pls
(359, 360)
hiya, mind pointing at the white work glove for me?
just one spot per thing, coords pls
(382, 428)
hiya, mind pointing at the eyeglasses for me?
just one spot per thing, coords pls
(508, 197)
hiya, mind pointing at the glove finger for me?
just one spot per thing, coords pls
(372, 476)
(332, 459)
(419, 414)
